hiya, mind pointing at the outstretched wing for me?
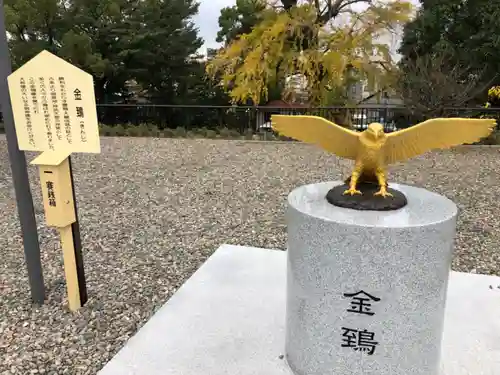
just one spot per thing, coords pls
(439, 133)
(316, 130)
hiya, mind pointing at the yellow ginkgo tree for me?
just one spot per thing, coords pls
(322, 41)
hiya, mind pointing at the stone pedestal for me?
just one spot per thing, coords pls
(366, 290)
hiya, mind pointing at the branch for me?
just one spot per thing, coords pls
(316, 5)
(336, 8)
(332, 11)
(20, 31)
(351, 2)
(372, 95)
(434, 81)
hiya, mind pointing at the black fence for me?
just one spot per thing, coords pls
(257, 119)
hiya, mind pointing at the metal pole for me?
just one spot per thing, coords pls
(24, 199)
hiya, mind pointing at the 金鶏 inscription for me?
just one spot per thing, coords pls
(78, 94)
(54, 106)
(359, 340)
(80, 115)
(361, 302)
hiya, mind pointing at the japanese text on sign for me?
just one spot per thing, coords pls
(360, 339)
(34, 98)
(50, 193)
(46, 115)
(65, 108)
(54, 106)
(27, 111)
(79, 113)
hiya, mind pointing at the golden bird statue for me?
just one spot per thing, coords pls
(373, 149)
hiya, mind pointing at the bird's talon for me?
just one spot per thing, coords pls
(383, 193)
(352, 192)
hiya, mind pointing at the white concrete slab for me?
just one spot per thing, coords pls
(228, 319)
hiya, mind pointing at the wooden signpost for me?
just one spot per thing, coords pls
(54, 110)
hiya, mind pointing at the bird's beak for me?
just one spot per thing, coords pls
(379, 133)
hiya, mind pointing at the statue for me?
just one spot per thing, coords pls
(373, 150)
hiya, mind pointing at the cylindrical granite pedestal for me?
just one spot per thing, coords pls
(366, 290)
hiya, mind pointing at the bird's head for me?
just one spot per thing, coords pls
(376, 130)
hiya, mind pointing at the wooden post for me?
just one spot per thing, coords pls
(60, 212)
(70, 268)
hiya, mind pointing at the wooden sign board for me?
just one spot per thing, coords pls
(54, 107)
(57, 190)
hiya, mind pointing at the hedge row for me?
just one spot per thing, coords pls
(149, 130)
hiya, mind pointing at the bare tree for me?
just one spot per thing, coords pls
(432, 84)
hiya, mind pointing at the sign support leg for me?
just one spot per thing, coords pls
(72, 254)
(70, 268)
(20, 179)
(75, 229)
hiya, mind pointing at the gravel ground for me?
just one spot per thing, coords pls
(152, 210)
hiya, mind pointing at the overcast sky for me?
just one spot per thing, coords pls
(207, 20)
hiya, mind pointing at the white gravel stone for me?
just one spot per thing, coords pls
(151, 212)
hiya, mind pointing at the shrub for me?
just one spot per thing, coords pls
(202, 132)
(167, 133)
(234, 134)
(133, 131)
(211, 133)
(225, 133)
(492, 139)
(248, 134)
(143, 130)
(179, 132)
(104, 130)
(119, 130)
(152, 127)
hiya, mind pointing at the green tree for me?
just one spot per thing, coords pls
(239, 19)
(87, 33)
(96, 41)
(148, 41)
(197, 89)
(162, 44)
(33, 25)
(466, 30)
(320, 41)
(427, 31)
